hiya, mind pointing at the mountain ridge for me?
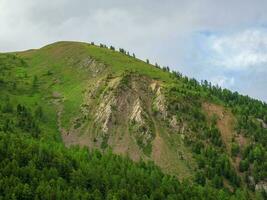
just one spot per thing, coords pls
(96, 97)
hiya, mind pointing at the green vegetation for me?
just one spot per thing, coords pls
(34, 169)
(212, 156)
(42, 92)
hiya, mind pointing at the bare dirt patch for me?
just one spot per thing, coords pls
(242, 141)
(123, 143)
(225, 122)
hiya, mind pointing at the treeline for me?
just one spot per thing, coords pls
(251, 116)
(240, 104)
(121, 50)
(214, 166)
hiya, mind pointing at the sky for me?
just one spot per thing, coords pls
(222, 41)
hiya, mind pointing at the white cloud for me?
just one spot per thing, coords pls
(241, 50)
(223, 81)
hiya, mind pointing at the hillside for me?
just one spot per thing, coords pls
(71, 94)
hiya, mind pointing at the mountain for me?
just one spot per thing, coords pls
(146, 132)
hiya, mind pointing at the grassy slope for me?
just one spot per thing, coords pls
(61, 60)
(22, 93)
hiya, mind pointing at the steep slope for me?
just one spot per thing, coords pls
(106, 99)
(103, 99)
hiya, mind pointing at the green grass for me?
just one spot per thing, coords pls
(64, 79)
(119, 63)
(63, 59)
(21, 75)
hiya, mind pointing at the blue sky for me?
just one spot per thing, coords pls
(236, 60)
(224, 42)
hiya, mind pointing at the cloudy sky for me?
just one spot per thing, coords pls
(223, 41)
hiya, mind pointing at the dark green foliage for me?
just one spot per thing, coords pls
(166, 69)
(49, 73)
(122, 50)
(250, 114)
(39, 113)
(200, 178)
(197, 147)
(7, 108)
(243, 165)
(217, 181)
(214, 136)
(27, 122)
(104, 143)
(235, 149)
(35, 82)
(102, 45)
(33, 169)
(212, 158)
(254, 157)
(8, 125)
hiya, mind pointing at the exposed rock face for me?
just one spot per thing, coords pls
(88, 63)
(261, 186)
(117, 112)
(140, 124)
(92, 91)
(154, 86)
(251, 181)
(174, 123)
(93, 66)
(264, 125)
(90, 95)
(160, 101)
(122, 103)
(137, 111)
(104, 112)
(108, 102)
